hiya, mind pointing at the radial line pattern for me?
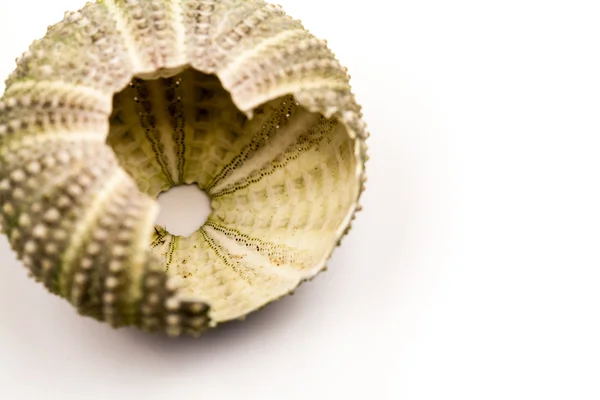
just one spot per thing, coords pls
(125, 99)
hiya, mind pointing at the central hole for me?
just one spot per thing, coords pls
(183, 209)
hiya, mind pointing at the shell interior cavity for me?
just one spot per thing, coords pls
(125, 99)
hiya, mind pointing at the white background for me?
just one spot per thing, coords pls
(473, 271)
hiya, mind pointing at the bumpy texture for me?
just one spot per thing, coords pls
(124, 99)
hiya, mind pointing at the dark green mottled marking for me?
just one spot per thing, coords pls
(170, 251)
(148, 123)
(159, 239)
(61, 270)
(178, 123)
(278, 254)
(279, 119)
(223, 255)
(305, 142)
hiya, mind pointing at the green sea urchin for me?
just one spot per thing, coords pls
(124, 99)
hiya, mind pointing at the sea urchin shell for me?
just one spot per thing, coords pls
(124, 99)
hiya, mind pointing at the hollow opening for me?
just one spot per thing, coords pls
(282, 186)
(183, 210)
